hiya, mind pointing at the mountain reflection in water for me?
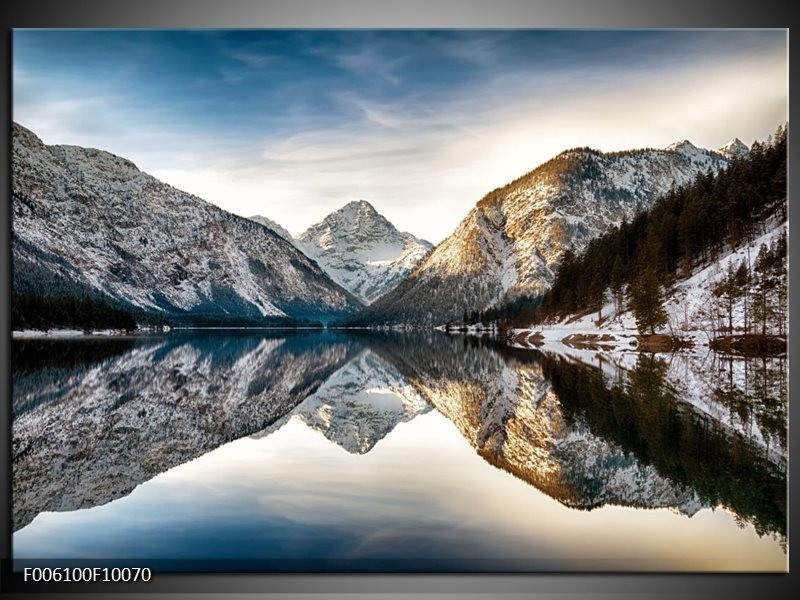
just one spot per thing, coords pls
(88, 431)
(589, 439)
(104, 428)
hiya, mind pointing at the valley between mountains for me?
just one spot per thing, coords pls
(99, 244)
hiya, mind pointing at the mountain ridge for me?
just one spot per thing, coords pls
(92, 218)
(511, 242)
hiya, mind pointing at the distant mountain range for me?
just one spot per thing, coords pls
(91, 223)
(512, 241)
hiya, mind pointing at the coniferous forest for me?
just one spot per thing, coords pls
(43, 300)
(689, 226)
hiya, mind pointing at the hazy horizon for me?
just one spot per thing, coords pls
(292, 125)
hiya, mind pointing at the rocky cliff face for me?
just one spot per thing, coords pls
(512, 241)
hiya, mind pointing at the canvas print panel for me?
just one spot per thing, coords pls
(400, 300)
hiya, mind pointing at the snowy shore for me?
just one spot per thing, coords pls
(70, 333)
(689, 306)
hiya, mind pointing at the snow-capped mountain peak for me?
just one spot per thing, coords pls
(682, 146)
(361, 250)
(359, 207)
(734, 149)
(276, 227)
(355, 216)
(690, 151)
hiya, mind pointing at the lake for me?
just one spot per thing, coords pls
(340, 451)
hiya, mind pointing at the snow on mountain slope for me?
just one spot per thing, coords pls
(734, 149)
(689, 303)
(362, 251)
(93, 436)
(693, 311)
(91, 217)
(276, 227)
(511, 242)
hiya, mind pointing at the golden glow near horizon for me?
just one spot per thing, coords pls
(296, 134)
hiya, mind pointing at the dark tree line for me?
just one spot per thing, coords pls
(688, 226)
(643, 417)
(46, 312)
(517, 312)
(43, 299)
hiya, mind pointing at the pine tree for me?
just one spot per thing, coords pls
(781, 277)
(597, 292)
(618, 282)
(731, 289)
(762, 306)
(645, 301)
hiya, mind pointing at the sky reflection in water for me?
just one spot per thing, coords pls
(421, 493)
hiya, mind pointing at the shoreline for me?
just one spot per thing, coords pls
(26, 334)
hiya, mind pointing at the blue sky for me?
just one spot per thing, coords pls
(293, 124)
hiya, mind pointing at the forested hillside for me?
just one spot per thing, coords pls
(690, 226)
(511, 243)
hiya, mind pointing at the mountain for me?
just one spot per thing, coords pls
(362, 251)
(512, 241)
(90, 222)
(359, 404)
(692, 227)
(277, 228)
(123, 418)
(734, 149)
(507, 410)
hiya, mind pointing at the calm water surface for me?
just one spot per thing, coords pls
(327, 452)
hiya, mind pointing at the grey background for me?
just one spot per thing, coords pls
(384, 14)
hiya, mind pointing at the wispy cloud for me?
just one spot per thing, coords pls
(422, 126)
(367, 63)
(425, 172)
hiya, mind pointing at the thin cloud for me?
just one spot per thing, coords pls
(364, 119)
(252, 59)
(427, 177)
